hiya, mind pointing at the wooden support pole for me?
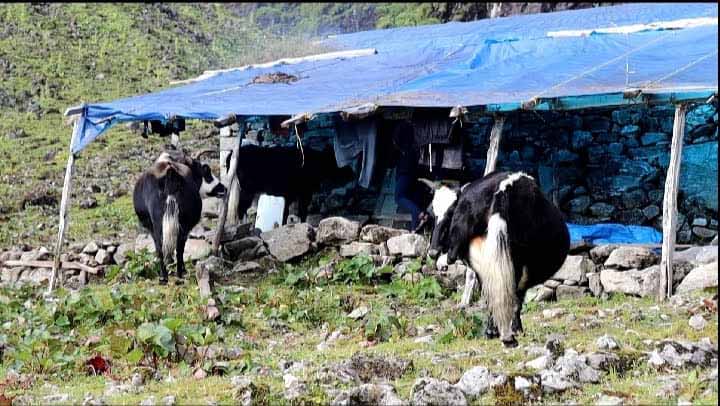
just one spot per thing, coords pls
(65, 201)
(494, 147)
(233, 175)
(670, 204)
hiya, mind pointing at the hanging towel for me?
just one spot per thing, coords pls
(351, 139)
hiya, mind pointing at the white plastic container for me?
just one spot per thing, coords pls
(269, 212)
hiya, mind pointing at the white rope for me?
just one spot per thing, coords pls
(300, 146)
(681, 69)
(598, 67)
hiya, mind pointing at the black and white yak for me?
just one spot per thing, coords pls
(509, 234)
(168, 202)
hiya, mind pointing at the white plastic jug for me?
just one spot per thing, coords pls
(269, 211)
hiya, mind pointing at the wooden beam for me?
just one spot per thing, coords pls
(49, 264)
(494, 147)
(65, 201)
(672, 181)
(233, 175)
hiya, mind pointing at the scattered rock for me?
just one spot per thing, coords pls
(169, 400)
(553, 313)
(603, 361)
(59, 398)
(91, 248)
(407, 245)
(149, 401)
(477, 380)
(246, 267)
(136, 380)
(631, 257)
(669, 387)
(431, 391)
(575, 269)
(704, 276)
(377, 234)
(88, 203)
(359, 312)
(196, 250)
(294, 387)
(243, 390)
(337, 230)
(606, 400)
(697, 255)
(601, 253)
(697, 321)
(103, 257)
(356, 248)
(544, 294)
(288, 242)
(542, 362)
(552, 284)
(606, 342)
(632, 282)
(553, 381)
(594, 283)
(245, 249)
(368, 394)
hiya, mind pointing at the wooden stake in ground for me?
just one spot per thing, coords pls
(233, 175)
(494, 147)
(65, 201)
(672, 181)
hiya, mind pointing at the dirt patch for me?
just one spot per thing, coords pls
(276, 77)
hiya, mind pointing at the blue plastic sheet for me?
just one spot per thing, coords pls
(613, 234)
(481, 63)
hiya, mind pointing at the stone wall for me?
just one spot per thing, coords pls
(597, 165)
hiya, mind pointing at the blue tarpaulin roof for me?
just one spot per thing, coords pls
(494, 62)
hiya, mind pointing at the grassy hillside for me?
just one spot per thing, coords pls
(58, 55)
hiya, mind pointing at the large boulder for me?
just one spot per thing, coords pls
(600, 253)
(196, 250)
(337, 230)
(631, 258)
(288, 242)
(245, 249)
(377, 234)
(632, 282)
(357, 248)
(574, 268)
(697, 255)
(431, 391)
(407, 245)
(704, 276)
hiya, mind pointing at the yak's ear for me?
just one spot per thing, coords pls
(463, 187)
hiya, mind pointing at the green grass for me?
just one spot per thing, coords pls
(272, 320)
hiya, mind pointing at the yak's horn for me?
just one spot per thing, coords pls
(432, 185)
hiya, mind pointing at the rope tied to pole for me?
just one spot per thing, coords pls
(299, 145)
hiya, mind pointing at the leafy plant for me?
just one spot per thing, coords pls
(359, 269)
(380, 324)
(462, 326)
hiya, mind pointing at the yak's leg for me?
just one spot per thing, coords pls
(491, 330)
(303, 204)
(244, 202)
(179, 252)
(157, 239)
(471, 283)
(522, 288)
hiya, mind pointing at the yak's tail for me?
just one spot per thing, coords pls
(171, 220)
(493, 262)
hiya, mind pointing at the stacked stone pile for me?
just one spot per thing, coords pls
(630, 270)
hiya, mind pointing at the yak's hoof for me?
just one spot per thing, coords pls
(490, 334)
(179, 282)
(512, 343)
(163, 281)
